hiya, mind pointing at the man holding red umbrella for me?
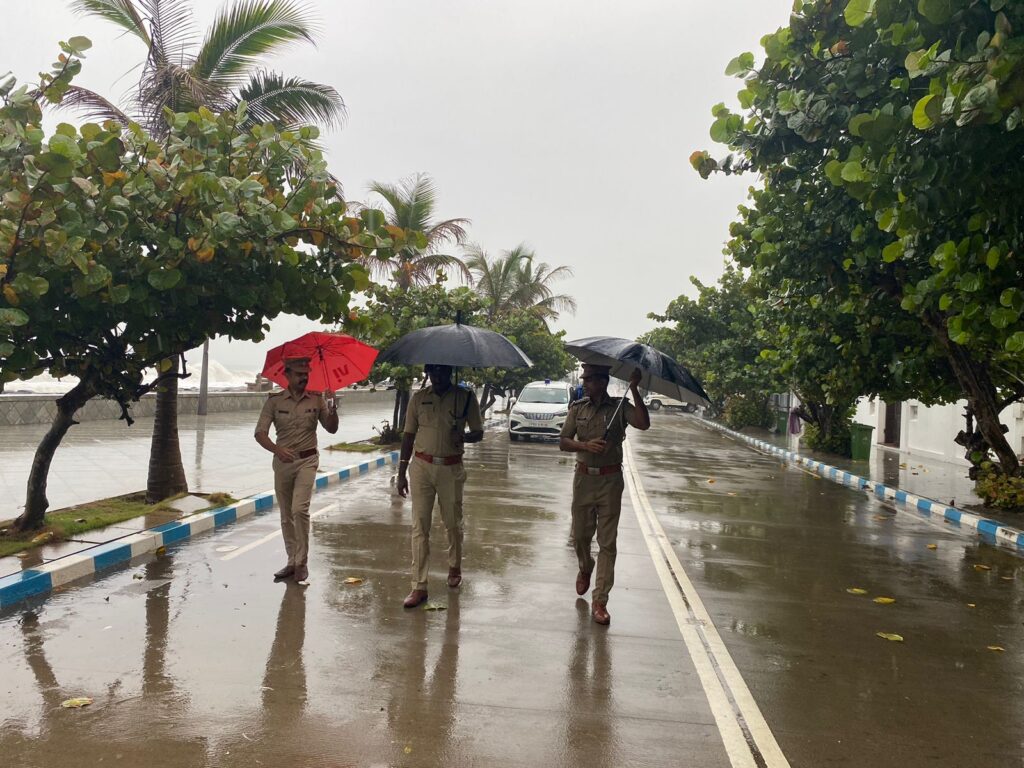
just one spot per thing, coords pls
(295, 413)
(325, 361)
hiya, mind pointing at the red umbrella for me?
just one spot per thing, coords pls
(335, 360)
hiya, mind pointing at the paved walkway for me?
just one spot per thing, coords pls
(198, 659)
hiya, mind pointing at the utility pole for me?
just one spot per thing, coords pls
(204, 377)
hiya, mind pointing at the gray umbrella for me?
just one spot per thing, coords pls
(659, 372)
(457, 345)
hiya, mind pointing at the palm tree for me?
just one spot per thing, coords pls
(224, 70)
(410, 205)
(515, 280)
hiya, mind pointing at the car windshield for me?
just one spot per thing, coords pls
(544, 395)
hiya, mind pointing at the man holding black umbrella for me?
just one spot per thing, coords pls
(435, 431)
(595, 429)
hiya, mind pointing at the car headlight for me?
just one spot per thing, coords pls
(561, 413)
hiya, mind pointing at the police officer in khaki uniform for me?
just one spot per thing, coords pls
(597, 483)
(435, 431)
(295, 412)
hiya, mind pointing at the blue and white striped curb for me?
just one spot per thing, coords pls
(991, 530)
(64, 570)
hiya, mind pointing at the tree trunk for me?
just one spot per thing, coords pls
(981, 397)
(403, 408)
(36, 502)
(395, 426)
(487, 400)
(166, 472)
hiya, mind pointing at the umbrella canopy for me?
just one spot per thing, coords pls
(660, 373)
(335, 360)
(457, 345)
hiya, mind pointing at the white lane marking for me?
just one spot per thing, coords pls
(744, 731)
(271, 536)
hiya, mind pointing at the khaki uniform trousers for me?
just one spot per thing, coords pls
(596, 503)
(445, 483)
(293, 486)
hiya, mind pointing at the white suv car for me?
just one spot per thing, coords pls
(656, 402)
(540, 410)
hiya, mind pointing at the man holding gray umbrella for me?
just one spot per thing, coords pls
(595, 429)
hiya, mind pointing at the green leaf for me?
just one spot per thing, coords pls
(892, 251)
(1015, 343)
(120, 294)
(858, 11)
(945, 301)
(742, 63)
(1002, 317)
(970, 282)
(927, 111)
(992, 258)
(78, 44)
(13, 317)
(164, 279)
(936, 11)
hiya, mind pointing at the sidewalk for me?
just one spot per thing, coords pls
(100, 459)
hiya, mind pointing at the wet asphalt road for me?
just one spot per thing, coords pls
(196, 658)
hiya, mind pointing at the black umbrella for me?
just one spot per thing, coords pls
(457, 345)
(659, 372)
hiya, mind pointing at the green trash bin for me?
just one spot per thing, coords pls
(781, 422)
(860, 442)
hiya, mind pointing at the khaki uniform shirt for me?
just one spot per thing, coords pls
(588, 420)
(294, 419)
(430, 418)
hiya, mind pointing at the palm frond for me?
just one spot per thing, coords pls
(247, 30)
(123, 13)
(289, 101)
(91, 106)
(413, 202)
(171, 29)
(176, 87)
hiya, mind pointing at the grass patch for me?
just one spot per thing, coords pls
(64, 524)
(360, 447)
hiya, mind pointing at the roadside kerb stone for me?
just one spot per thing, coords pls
(990, 530)
(65, 570)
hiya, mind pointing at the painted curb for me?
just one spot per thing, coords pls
(991, 531)
(62, 571)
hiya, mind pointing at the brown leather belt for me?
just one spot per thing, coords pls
(586, 469)
(442, 460)
(307, 453)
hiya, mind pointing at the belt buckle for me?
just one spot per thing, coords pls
(439, 460)
(593, 470)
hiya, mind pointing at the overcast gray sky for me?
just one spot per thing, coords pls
(567, 125)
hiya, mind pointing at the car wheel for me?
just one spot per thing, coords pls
(655, 405)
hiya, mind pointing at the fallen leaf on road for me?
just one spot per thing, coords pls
(353, 580)
(407, 750)
(81, 701)
(138, 576)
(1006, 578)
(434, 607)
(890, 636)
(161, 551)
(731, 493)
(856, 591)
(971, 605)
(903, 466)
(933, 546)
(995, 648)
(884, 600)
(980, 567)
(711, 479)
(42, 538)
(881, 518)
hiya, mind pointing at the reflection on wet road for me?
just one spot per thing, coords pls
(197, 658)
